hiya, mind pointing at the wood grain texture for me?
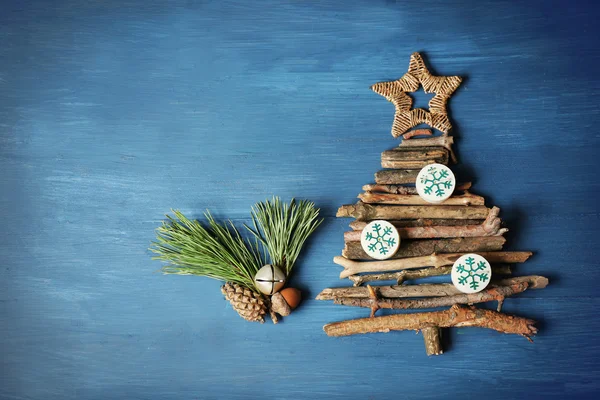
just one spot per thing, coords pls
(113, 112)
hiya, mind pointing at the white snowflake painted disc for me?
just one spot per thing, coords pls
(380, 239)
(471, 273)
(435, 183)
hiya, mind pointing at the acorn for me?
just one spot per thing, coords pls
(285, 301)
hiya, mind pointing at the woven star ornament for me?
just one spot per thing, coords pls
(418, 75)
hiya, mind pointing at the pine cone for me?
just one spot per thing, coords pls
(250, 305)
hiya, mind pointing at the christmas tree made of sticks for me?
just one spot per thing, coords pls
(432, 237)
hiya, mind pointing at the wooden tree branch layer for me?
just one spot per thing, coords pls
(417, 132)
(397, 189)
(424, 290)
(414, 158)
(416, 164)
(409, 223)
(406, 275)
(465, 199)
(365, 212)
(352, 267)
(443, 141)
(396, 176)
(424, 247)
(490, 227)
(497, 293)
(455, 316)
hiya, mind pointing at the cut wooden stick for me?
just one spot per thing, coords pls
(465, 199)
(406, 275)
(374, 302)
(365, 212)
(396, 176)
(489, 227)
(432, 338)
(443, 141)
(424, 290)
(424, 247)
(417, 132)
(397, 189)
(408, 223)
(455, 316)
(414, 158)
(352, 267)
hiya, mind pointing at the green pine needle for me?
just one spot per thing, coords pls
(283, 229)
(218, 251)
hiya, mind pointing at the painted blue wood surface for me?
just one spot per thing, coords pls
(113, 112)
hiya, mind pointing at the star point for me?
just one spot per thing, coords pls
(418, 75)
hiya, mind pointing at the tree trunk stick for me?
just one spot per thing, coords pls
(490, 227)
(433, 343)
(406, 275)
(396, 176)
(416, 132)
(455, 316)
(364, 211)
(424, 247)
(352, 267)
(443, 141)
(465, 199)
(396, 189)
(424, 290)
(498, 293)
(409, 223)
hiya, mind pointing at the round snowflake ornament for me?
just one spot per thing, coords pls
(471, 273)
(435, 183)
(380, 239)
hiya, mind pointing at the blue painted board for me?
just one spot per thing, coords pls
(114, 112)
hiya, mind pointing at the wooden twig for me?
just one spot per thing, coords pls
(465, 199)
(417, 132)
(352, 267)
(489, 227)
(424, 290)
(406, 275)
(443, 141)
(413, 158)
(397, 189)
(365, 212)
(455, 316)
(374, 302)
(408, 223)
(424, 247)
(396, 176)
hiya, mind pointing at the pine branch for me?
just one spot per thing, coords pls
(217, 251)
(283, 228)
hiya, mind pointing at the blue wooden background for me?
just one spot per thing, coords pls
(113, 112)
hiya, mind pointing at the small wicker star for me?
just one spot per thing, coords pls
(418, 75)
